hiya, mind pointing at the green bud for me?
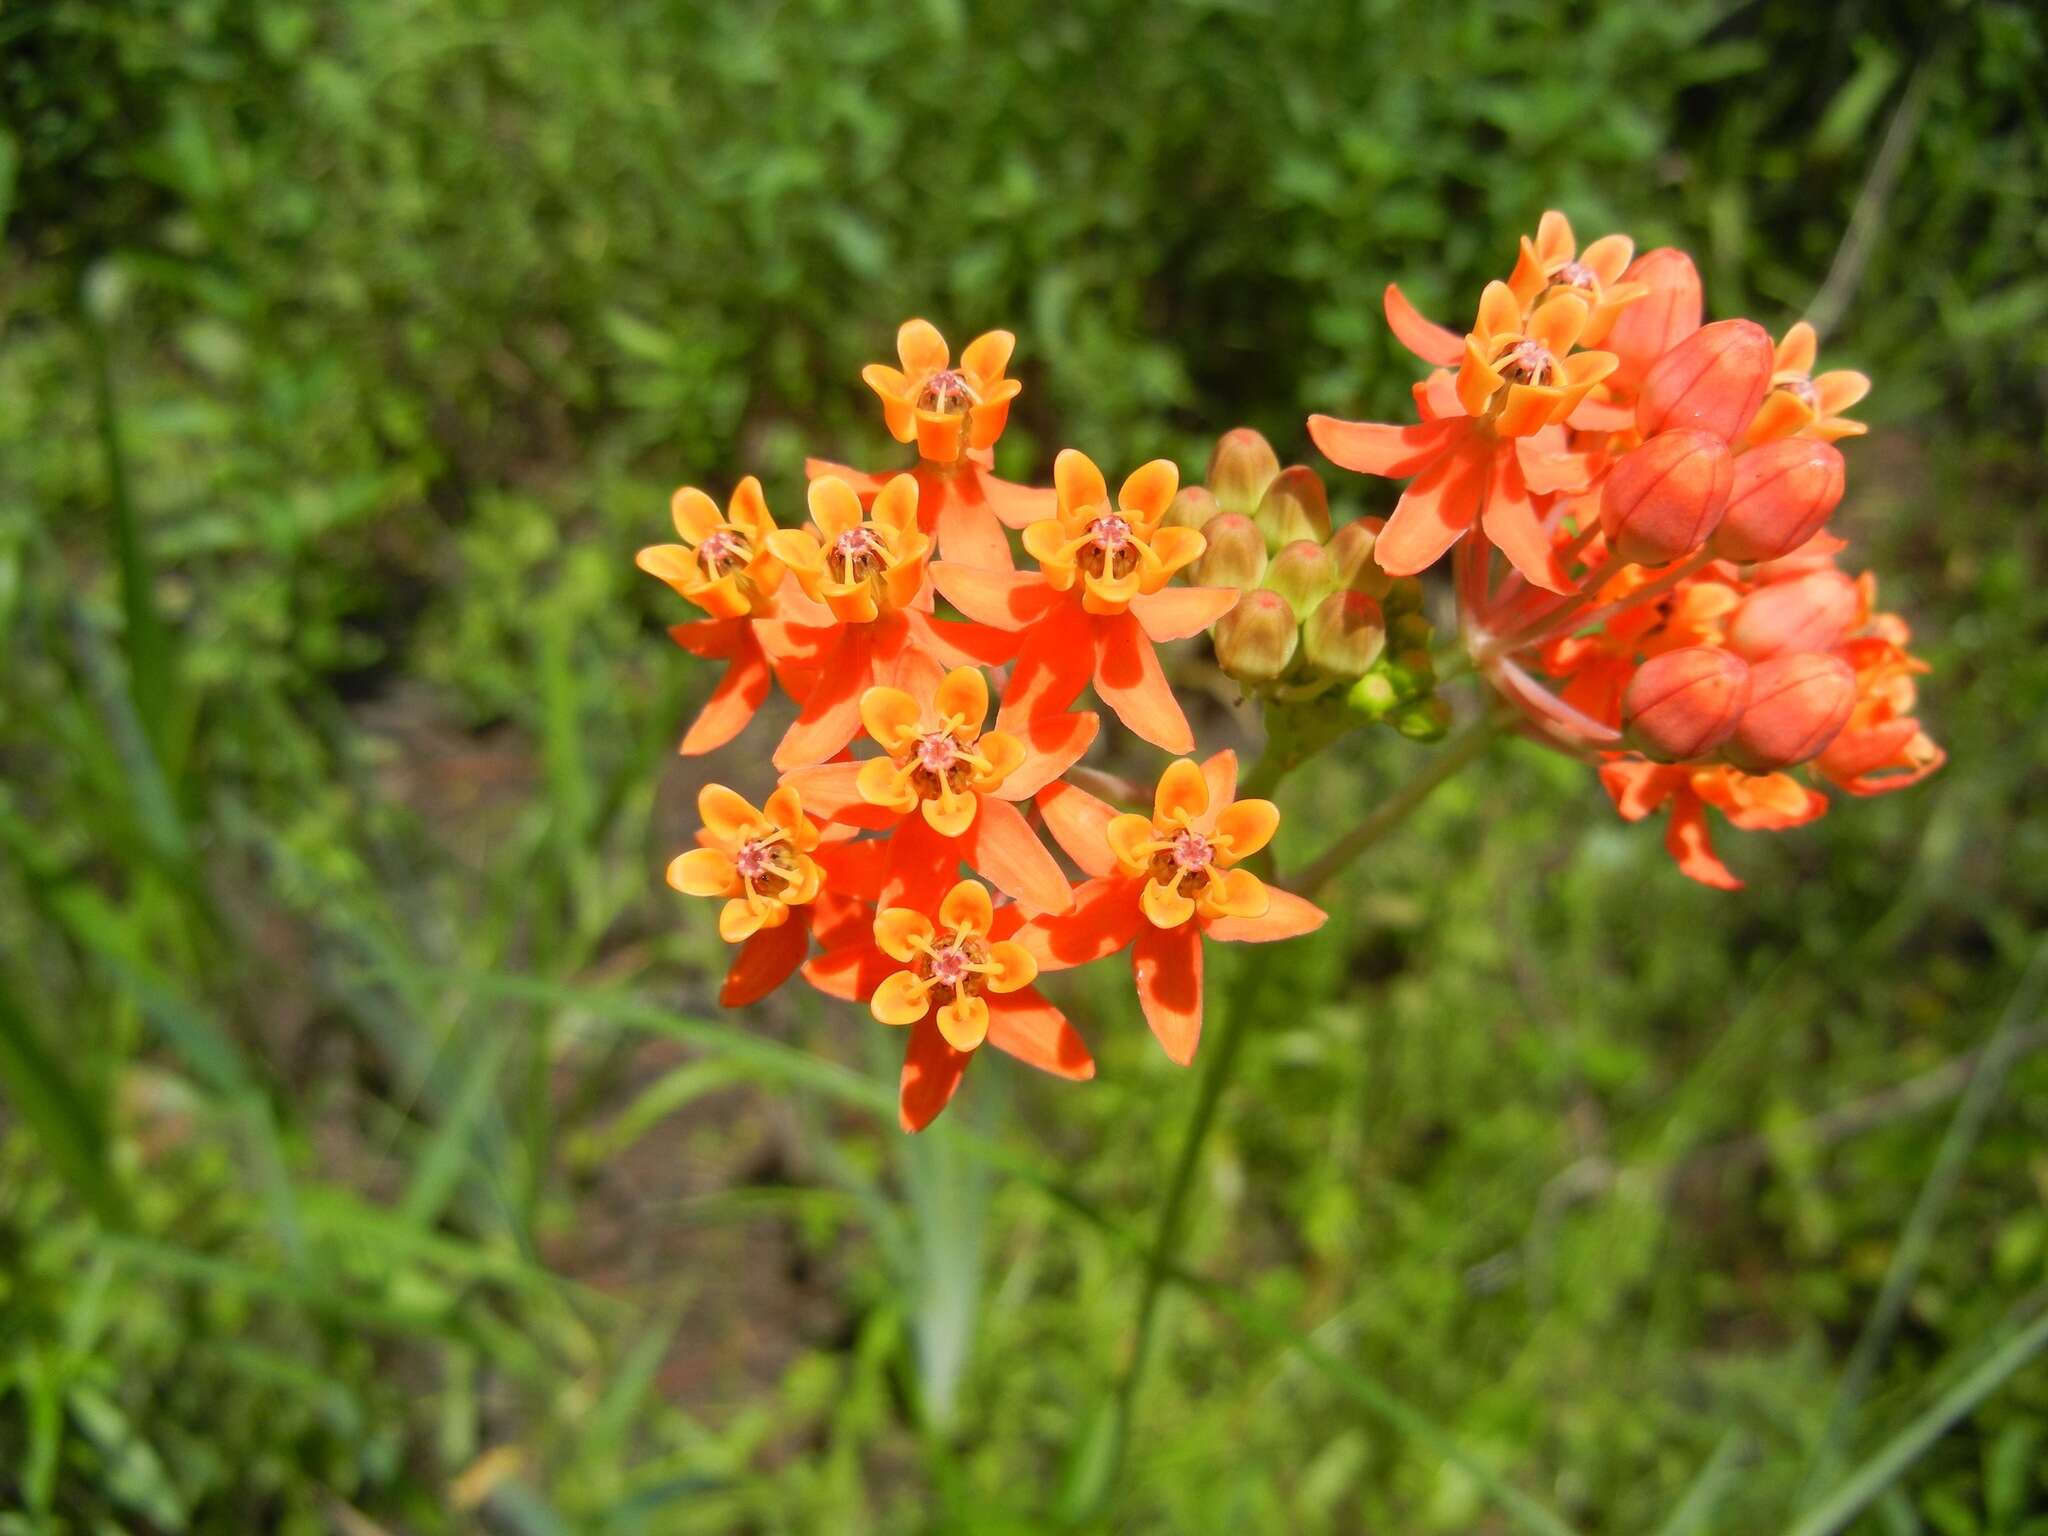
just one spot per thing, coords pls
(1403, 596)
(1351, 547)
(1192, 508)
(1241, 468)
(1236, 556)
(1255, 641)
(1409, 632)
(1428, 720)
(1295, 506)
(1345, 635)
(1373, 695)
(1304, 574)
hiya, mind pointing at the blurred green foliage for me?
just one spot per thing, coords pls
(346, 353)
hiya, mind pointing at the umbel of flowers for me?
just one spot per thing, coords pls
(1635, 506)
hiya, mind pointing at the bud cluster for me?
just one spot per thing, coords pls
(1317, 624)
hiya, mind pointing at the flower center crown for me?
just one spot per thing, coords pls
(956, 967)
(723, 551)
(860, 552)
(1527, 362)
(765, 864)
(1112, 549)
(947, 392)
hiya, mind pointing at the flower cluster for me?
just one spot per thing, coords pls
(1659, 489)
(894, 777)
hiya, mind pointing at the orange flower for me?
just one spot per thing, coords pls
(951, 970)
(1883, 747)
(946, 787)
(761, 862)
(1161, 883)
(1474, 458)
(1802, 403)
(1768, 802)
(859, 564)
(1552, 264)
(1098, 602)
(954, 415)
(723, 564)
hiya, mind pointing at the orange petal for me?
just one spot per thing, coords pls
(1499, 311)
(1104, 918)
(954, 643)
(1129, 681)
(850, 972)
(1839, 389)
(1052, 668)
(1287, 916)
(739, 694)
(1554, 239)
(863, 483)
(831, 792)
(1050, 746)
(727, 815)
(1164, 905)
(921, 348)
(764, 963)
(1018, 506)
(1380, 448)
(1220, 769)
(1132, 841)
(919, 867)
(1797, 351)
(1609, 257)
(694, 514)
(949, 813)
(1178, 612)
(1171, 549)
(1079, 483)
(1183, 793)
(900, 999)
(1429, 341)
(1015, 966)
(1167, 965)
(1026, 1026)
(704, 872)
(988, 355)
(1235, 893)
(1079, 823)
(963, 692)
(830, 717)
(1005, 599)
(835, 508)
(1511, 523)
(1149, 489)
(971, 535)
(1436, 510)
(931, 1073)
(1002, 846)
(963, 1021)
(877, 787)
(903, 933)
(896, 508)
(891, 717)
(1559, 320)
(1685, 839)
(1249, 824)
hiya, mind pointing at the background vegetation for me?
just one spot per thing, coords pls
(371, 1155)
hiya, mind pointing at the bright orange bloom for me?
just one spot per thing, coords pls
(1164, 882)
(868, 570)
(1596, 667)
(954, 414)
(1769, 802)
(951, 970)
(1098, 602)
(1472, 458)
(723, 565)
(762, 863)
(1883, 747)
(1802, 403)
(1552, 263)
(947, 788)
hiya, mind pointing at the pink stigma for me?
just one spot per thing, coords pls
(1192, 851)
(936, 752)
(1576, 274)
(1531, 359)
(949, 967)
(1111, 533)
(857, 543)
(751, 861)
(1800, 387)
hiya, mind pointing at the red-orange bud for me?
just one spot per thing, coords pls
(1663, 499)
(1713, 381)
(1683, 704)
(1798, 703)
(1807, 613)
(1783, 493)
(1658, 321)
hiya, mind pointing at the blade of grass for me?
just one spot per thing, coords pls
(1704, 1496)
(70, 1126)
(439, 1171)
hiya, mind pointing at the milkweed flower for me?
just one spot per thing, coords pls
(762, 863)
(1553, 263)
(1770, 802)
(946, 789)
(867, 568)
(1161, 884)
(1802, 403)
(1098, 602)
(951, 972)
(953, 413)
(1883, 747)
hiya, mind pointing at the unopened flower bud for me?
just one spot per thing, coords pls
(1255, 641)
(1295, 506)
(1192, 507)
(1425, 720)
(1304, 574)
(1712, 381)
(1236, 553)
(1798, 703)
(1410, 632)
(1783, 493)
(1807, 613)
(1351, 547)
(1658, 321)
(1373, 695)
(1241, 468)
(1683, 704)
(1345, 634)
(1403, 596)
(1664, 498)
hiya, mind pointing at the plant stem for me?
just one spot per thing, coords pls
(1460, 751)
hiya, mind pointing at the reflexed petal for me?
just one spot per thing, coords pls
(835, 506)
(931, 1073)
(1429, 341)
(1435, 511)
(1128, 679)
(1014, 966)
(1002, 846)
(902, 933)
(1182, 792)
(1176, 613)
(1026, 1026)
(704, 872)
(850, 972)
(1079, 823)
(764, 963)
(1005, 599)
(1165, 906)
(1132, 840)
(1287, 916)
(891, 717)
(694, 514)
(1249, 824)
(1051, 745)
(1149, 489)
(967, 908)
(920, 347)
(1512, 523)
(1166, 963)
(964, 1022)
(1685, 839)
(1220, 769)
(733, 703)
(900, 999)
(1079, 483)
(963, 692)
(830, 717)
(988, 355)
(1104, 918)
(970, 534)
(726, 815)
(1052, 668)
(1379, 448)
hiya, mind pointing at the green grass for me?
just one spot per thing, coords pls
(372, 1154)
